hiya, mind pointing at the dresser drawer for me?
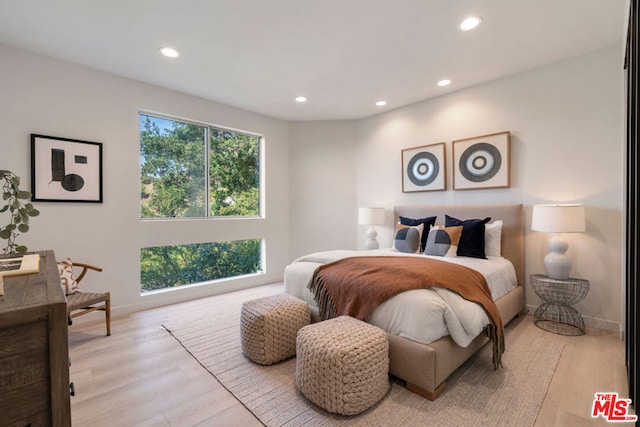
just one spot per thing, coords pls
(24, 402)
(22, 338)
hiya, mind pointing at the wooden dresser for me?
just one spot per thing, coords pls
(34, 349)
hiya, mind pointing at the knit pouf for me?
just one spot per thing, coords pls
(342, 364)
(269, 325)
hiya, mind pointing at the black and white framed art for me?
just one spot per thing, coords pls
(481, 162)
(65, 170)
(424, 168)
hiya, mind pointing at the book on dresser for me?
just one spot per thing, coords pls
(34, 348)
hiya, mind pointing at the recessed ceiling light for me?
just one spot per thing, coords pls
(301, 99)
(470, 23)
(381, 103)
(169, 52)
(444, 82)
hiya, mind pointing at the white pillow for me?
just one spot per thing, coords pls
(492, 238)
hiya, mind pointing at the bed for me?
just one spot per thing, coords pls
(425, 356)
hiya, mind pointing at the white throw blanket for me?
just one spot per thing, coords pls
(422, 315)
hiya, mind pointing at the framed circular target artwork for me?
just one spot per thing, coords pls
(424, 168)
(481, 162)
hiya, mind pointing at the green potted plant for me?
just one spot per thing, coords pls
(19, 212)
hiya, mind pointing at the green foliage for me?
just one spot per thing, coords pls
(234, 173)
(173, 170)
(19, 212)
(170, 266)
(173, 165)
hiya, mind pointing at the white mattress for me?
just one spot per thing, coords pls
(422, 315)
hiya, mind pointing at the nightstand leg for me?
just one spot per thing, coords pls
(559, 319)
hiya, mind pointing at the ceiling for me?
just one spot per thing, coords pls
(343, 55)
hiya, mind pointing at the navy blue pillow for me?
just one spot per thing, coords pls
(428, 222)
(471, 242)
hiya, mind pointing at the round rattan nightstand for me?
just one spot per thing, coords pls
(557, 314)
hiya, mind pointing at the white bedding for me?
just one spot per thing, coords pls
(422, 315)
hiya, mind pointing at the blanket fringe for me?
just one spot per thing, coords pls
(323, 299)
(497, 341)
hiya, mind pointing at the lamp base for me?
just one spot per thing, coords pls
(556, 262)
(371, 242)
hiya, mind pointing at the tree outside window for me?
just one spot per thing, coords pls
(173, 160)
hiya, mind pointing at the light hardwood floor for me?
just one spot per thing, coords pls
(142, 376)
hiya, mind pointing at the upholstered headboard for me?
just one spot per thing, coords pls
(510, 214)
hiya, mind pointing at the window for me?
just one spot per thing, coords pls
(164, 267)
(234, 173)
(191, 170)
(184, 176)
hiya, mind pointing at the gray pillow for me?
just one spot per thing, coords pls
(407, 240)
(443, 241)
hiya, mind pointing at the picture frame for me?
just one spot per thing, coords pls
(12, 265)
(65, 170)
(16, 265)
(482, 162)
(424, 168)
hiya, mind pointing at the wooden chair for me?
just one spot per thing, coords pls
(81, 303)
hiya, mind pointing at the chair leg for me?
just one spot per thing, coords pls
(107, 313)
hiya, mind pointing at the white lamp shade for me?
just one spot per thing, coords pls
(371, 216)
(558, 218)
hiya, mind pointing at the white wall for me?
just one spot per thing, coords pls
(323, 186)
(567, 144)
(50, 97)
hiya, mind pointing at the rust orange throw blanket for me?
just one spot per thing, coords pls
(356, 286)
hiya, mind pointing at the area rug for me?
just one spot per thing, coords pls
(476, 394)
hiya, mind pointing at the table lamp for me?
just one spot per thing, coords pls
(561, 218)
(371, 217)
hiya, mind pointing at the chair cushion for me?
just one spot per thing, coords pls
(67, 279)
